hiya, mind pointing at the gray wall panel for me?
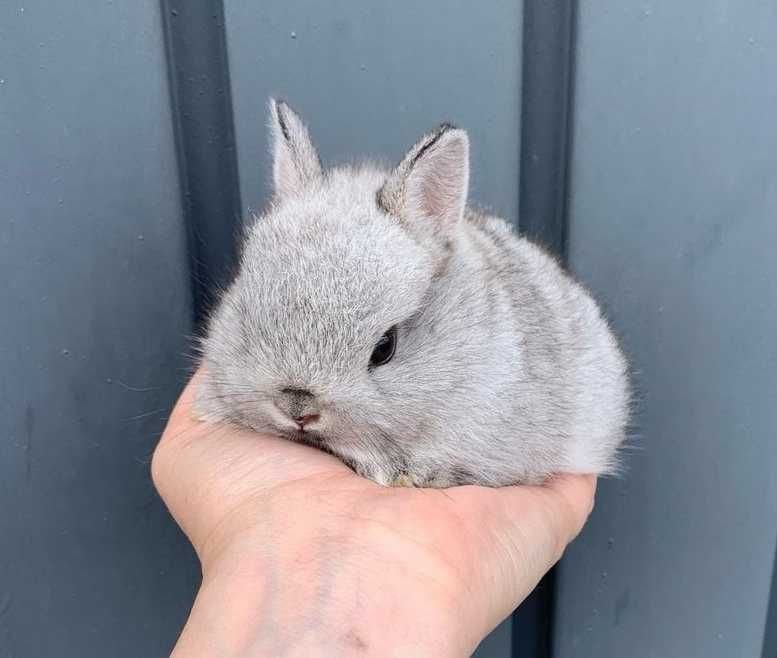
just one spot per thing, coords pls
(371, 77)
(673, 220)
(94, 309)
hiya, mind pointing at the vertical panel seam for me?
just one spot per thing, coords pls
(180, 156)
(769, 648)
(547, 113)
(203, 121)
(546, 116)
(569, 115)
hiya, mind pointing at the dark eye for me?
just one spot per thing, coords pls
(384, 350)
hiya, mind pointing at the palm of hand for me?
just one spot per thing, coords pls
(467, 552)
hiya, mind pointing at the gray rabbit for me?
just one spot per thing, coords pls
(379, 318)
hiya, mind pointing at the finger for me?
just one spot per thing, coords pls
(523, 531)
(574, 501)
(551, 515)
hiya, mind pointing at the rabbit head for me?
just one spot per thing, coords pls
(318, 339)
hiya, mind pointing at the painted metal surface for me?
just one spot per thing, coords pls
(673, 221)
(94, 313)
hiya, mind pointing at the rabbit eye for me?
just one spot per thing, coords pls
(384, 350)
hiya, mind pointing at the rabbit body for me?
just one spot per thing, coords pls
(502, 369)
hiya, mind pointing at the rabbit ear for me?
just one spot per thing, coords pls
(295, 159)
(427, 191)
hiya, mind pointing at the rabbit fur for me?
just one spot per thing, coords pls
(504, 369)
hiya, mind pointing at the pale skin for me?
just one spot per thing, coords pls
(303, 558)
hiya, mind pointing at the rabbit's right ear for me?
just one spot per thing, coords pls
(295, 159)
(427, 191)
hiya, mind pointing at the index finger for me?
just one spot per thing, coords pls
(574, 497)
(549, 516)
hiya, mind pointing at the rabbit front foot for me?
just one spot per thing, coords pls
(404, 480)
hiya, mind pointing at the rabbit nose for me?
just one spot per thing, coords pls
(306, 419)
(299, 405)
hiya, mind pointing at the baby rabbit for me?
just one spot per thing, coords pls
(377, 317)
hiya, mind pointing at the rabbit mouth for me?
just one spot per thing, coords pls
(308, 437)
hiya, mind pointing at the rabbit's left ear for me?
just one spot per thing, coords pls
(427, 191)
(295, 159)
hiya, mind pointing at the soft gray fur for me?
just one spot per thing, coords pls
(504, 371)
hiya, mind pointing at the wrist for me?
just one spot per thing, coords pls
(327, 597)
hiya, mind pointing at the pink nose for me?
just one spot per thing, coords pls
(306, 419)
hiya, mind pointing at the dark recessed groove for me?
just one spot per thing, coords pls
(546, 111)
(198, 71)
(769, 649)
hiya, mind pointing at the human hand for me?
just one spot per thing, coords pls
(302, 557)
